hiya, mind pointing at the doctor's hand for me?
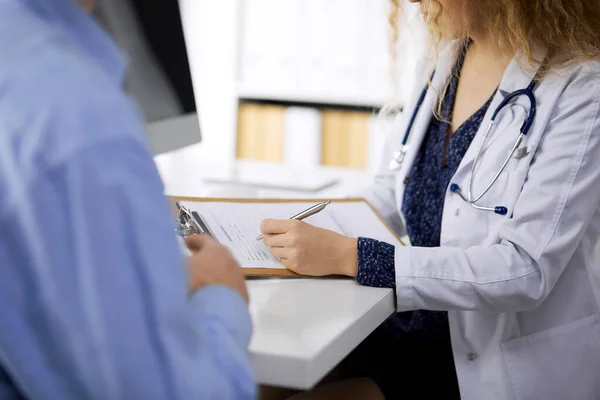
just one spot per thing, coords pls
(308, 250)
(213, 264)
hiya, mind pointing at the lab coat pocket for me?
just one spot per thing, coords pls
(512, 190)
(505, 193)
(558, 363)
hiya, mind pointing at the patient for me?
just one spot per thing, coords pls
(96, 301)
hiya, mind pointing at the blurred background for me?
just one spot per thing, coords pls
(289, 89)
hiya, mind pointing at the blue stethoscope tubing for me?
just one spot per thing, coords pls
(398, 157)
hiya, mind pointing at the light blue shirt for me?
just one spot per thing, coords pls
(93, 289)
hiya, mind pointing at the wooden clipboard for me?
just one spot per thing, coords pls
(269, 272)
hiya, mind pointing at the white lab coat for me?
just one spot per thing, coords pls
(523, 302)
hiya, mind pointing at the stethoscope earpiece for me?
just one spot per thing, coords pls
(500, 210)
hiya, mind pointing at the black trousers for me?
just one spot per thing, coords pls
(404, 368)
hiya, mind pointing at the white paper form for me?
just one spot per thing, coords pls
(357, 219)
(236, 226)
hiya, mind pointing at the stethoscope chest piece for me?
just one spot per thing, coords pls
(398, 158)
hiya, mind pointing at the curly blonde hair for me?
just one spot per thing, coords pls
(572, 27)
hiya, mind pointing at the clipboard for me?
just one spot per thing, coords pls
(267, 272)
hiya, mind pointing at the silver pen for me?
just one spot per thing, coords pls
(306, 213)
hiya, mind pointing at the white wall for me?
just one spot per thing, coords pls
(211, 29)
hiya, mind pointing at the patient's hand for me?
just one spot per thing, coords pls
(213, 264)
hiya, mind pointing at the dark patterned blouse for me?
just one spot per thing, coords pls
(422, 207)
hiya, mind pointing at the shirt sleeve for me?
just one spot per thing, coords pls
(376, 263)
(99, 291)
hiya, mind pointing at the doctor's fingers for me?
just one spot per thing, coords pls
(279, 240)
(280, 252)
(278, 226)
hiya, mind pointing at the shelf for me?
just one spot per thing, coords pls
(246, 92)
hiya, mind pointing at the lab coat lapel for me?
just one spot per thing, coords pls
(446, 61)
(443, 68)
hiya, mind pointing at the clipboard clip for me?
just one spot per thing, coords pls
(186, 223)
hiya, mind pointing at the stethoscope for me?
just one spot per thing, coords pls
(399, 156)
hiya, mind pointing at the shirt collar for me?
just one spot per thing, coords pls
(85, 32)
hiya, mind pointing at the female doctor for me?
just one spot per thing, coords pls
(495, 177)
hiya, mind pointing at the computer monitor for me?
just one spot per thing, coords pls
(161, 23)
(150, 32)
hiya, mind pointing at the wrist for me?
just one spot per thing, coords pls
(349, 260)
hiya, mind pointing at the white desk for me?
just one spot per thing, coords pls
(302, 327)
(186, 174)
